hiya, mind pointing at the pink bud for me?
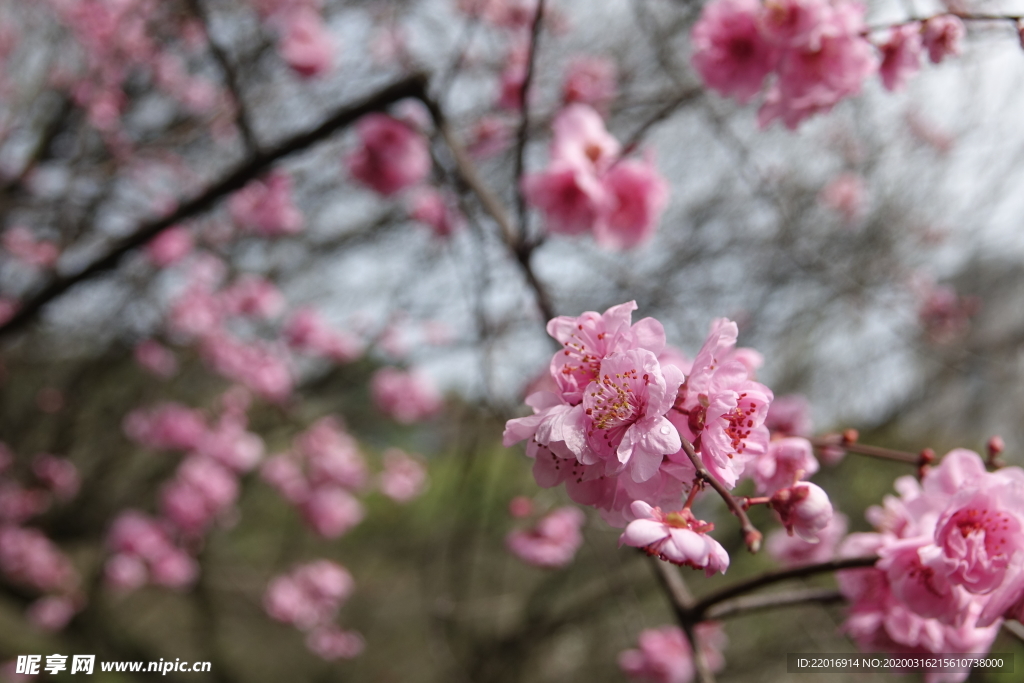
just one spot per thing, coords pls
(804, 509)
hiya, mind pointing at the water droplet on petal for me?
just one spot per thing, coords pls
(665, 430)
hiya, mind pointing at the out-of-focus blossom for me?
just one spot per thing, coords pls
(156, 358)
(405, 396)
(552, 542)
(23, 246)
(404, 477)
(434, 209)
(392, 155)
(306, 44)
(58, 475)
(664, 655)
(942, 36)
(901, 55)
(170, 246)
(332, 643)
(846, 195)
(729, 51)
(265, 207)
(169, 426)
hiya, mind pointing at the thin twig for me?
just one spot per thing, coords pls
(751, 536)
(754, 603)
(492, 205)
(769, 578)
(524, 121)
(411, 86)
(864, 449)
(230, 78)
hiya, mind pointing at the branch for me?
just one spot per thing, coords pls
(230, 77)
(524, 122)
(751, 536)
(491, 204)
(412, 86)
(682, 605)
(851, 446)
(754, 603)
(768, 578)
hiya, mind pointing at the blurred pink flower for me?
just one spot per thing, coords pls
(306, 44)
(170, 246)
(156, 358)
(392, 155)
(552, 542)
(404, 477)
(405, 396)
(265, 207)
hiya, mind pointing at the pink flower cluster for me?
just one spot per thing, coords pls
(309, 598)
(951, 562)
(392, 156)
(611, 421)
(404, 477)
(21, 245)
(405, 396)
(818, 51)
(142, 551)
(265, 207)
(307, 332)
(319, 476)
(550, 543)
(588, 187)
(664, 655)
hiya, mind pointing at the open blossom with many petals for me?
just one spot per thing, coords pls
(664, 654)
(143, 551)
(552, 542)
(638, 195)
(722, 411)
(392, 155)
(676, 537)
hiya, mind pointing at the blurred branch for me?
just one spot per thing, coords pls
(838, 441)
(411, 86)
(703, 605)
(682, 605)
(751, 536)
(491, 204)
(754, 603)
(524, 121)
(230, 78)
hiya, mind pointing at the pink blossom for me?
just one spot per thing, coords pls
(254, 297)
(405, 396)
(793, 551)
(913, 580)
(572, 199)
(125, 572)
(404, 477)
(307, 331)
(30, 559)
(901, 56)
(58, 475)
(785, 462)
(231, 445)
(262, 367)
(676, 537)
(23, 246)
(265, 207)
(285, 475)
(510, 85)
(332, 511)
(156, 358)
(18, 505)
(331, 455)
(665, 656)
(625, 413)
(591, 337)
(196, 313)
(520, 507)
(789, 416)
(306, 44)
(979, 532)
(170, 246)
(591, 81)
(176, 569)
(942, 36)
(804, 509)
(310, 595)
(638, 195)
(813, 80)
(436, 210)
(332, 643)
(729, 51)
(169, 426)
(794, 23)
(52, 613)
(392, 155)
(552, 542)
(722, 411)
(580, 139)
(201, 490)
(846, 195)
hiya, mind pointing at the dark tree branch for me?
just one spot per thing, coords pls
(524, 121)
(755, 603)
(412, 86)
